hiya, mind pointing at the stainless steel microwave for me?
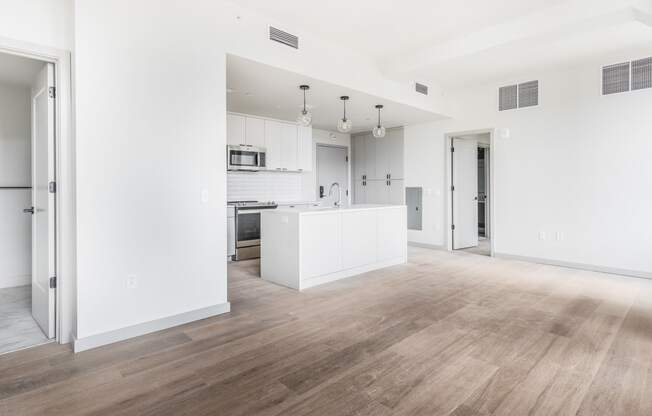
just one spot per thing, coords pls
(242, 157)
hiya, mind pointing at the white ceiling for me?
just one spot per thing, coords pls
(262, 90)
(382, 27)
(451, 43)
(18, 70)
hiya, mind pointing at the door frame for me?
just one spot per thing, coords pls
(348, 169)
(448, 199)
(64, 161)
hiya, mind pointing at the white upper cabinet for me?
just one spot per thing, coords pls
(305, 148)
(235, 129)
(357, 145)
(273, 134)
(255, 132)
(370, 158)
(288, 146)
(395, 154)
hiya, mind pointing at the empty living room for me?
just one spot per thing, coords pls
(253, 208)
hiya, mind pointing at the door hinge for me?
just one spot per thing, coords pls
(53, 282)
(452, 226)
(453, 188)
(346, 158)
(52, 91)
(452, 149)
(52, 187)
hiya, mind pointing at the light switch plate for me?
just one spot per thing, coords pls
(542, 235)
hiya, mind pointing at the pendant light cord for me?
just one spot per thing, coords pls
(304, 101)
(379, 118)
(344, 110)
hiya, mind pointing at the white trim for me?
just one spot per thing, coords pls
(448, 232)
(342, 274)
(122, 334)
(573, 265)
(429, 246)
(66, 267)
(16, 281)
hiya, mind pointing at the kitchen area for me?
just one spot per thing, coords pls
(315, 185)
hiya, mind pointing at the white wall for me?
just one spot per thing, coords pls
(576, 164)
(146, 148)
(41, 22)
(15, 170)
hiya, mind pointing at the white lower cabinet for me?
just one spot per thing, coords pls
(394, 223)
(321, 237)
(359, 234)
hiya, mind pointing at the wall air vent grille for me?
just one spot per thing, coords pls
(421, 89)
(642, 74)
(528, 94)
(615, 78)
(285, 38)
(507, 97)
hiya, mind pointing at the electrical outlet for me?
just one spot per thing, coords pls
(132, 282)
(559, 235)
(542, 235)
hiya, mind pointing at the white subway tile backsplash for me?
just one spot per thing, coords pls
(264, 186)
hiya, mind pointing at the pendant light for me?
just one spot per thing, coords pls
(305, 117)
(344, 125)
(379, 130)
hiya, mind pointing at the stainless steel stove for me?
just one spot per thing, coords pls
(247, 227)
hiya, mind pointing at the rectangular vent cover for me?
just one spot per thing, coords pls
(615, 78)
(422, 89)
(285, 38)
(642, 74)
(507, 97)
(528, 94)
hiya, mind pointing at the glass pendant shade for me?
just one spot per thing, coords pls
(305, 117)
(379, 130)
(344, 125)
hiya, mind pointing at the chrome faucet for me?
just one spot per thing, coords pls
(339, 193)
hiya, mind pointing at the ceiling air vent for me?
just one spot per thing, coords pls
(615, 78)
(285, 38)
(507, 97)
(528, 94)
(421, 89)
(642, 74)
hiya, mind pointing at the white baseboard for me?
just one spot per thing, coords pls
(320, 280)
(14, 281)
(122, 334)
(580, 266)
(424, 245)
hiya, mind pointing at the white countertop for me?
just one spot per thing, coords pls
(325, 210)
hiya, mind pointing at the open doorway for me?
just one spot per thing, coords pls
(27, 202)
(469, 172)
(333, 174)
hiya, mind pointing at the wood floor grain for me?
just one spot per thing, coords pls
(446, 334)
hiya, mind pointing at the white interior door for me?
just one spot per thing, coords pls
(332, 166)
(465, 193)
(43, 248)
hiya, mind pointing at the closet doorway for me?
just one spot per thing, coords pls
(27, 203)
(469, 173)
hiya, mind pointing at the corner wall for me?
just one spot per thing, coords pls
(577, 164)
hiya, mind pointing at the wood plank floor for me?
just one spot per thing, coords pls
(446, 334)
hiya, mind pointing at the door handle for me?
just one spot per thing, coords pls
(29, 210)
(321, 192)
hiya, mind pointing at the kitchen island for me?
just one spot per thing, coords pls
(305, 247)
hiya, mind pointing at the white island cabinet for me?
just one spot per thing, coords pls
(305, 247)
